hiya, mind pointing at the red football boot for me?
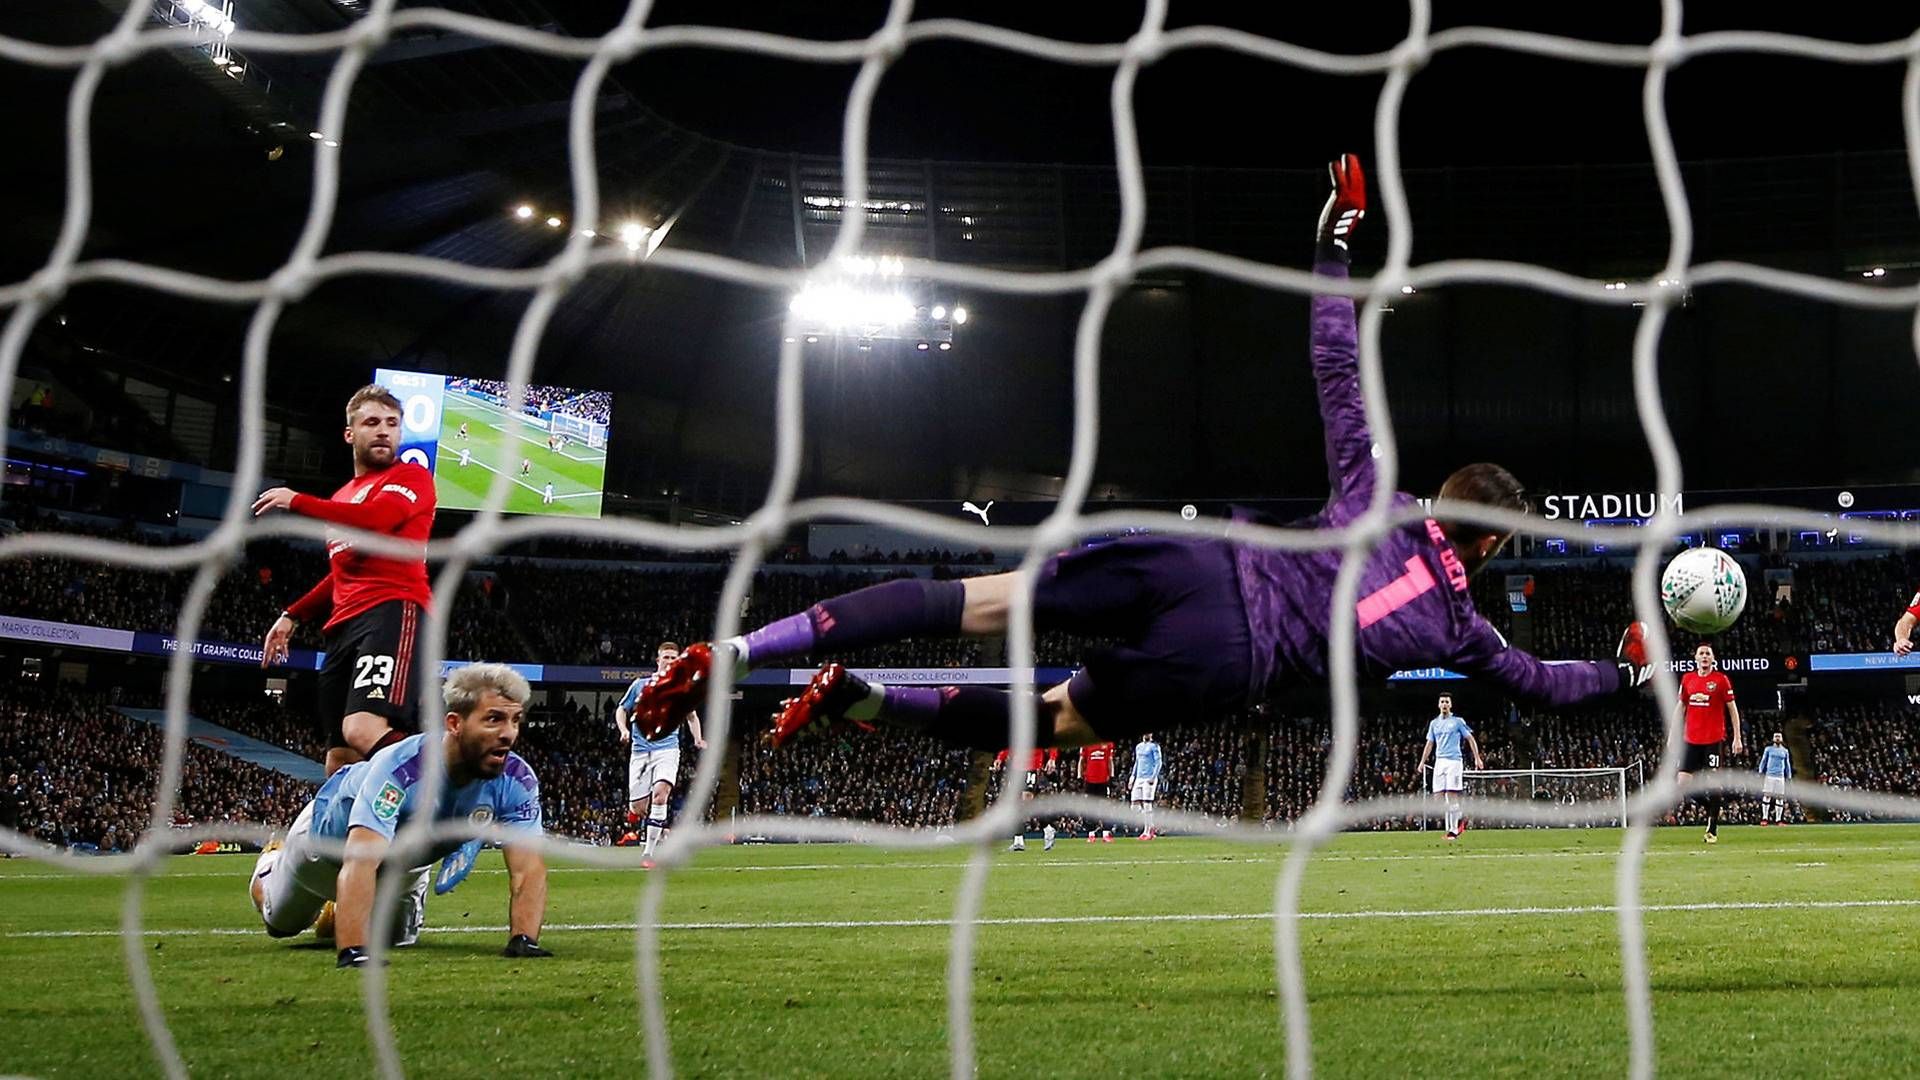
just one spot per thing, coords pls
(821, 705)
(667, 698)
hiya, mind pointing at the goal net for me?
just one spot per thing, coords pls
(1601, 794)
(146, 28)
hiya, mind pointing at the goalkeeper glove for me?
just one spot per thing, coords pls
(521, 945)
(1635, 668)
(1345, 207)
(353, 957)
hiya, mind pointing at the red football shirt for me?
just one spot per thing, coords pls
(1913, 606)
(1040, 760)
(399, 501)
(1706, 698)
(1096, 763)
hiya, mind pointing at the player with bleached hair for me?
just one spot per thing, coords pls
(1208, 626)
(363, 805)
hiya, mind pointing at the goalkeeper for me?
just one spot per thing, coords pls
(364, 804)
(1208, 626)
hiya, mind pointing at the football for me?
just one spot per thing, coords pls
(1704, 590)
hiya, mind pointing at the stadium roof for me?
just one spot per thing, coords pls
(1510, 156)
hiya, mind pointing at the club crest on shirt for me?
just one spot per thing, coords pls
(386, 804)
(481, 815)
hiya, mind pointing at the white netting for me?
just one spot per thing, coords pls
(1591, 790)
(304, 269)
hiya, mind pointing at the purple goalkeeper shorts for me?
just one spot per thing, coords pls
(1174, 603)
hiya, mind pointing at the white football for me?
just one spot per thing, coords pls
(1704, 590)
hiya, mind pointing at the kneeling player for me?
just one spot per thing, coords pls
(364, 804)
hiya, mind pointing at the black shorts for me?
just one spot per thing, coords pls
(371, 667)
(1098, 791)
(1699, 757)
(1185, 653)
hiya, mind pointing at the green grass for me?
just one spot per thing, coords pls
(578, 472)
(1792, 990)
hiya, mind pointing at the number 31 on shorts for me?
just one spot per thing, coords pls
(372, 671)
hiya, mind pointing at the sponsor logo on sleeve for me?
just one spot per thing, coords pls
(386, 804)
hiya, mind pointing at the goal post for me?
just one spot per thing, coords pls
(1594, 787)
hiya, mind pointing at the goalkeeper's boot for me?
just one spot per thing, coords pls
(666, 699)
(323, 925)
(822, 704)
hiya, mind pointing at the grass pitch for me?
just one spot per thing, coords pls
(1494, 956)
(578, 472)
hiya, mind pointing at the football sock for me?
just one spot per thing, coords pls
(656, 824)
(868, 708)
(968, 716)
(874, 615)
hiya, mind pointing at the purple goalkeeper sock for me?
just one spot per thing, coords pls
(874, 615)
(965, 716)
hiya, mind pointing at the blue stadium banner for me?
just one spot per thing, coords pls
(422, 399)
(1865, 661)
(1425, 674)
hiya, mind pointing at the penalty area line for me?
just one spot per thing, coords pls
(1076, 920)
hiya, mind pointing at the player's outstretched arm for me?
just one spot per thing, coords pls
(353, 895)
(527, 900)
(1426, 754)
(1336, 349)
(1474, 745)
(1903, 632)
(693, 728)
(1484, 653)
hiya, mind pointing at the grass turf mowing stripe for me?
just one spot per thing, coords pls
(1076, 920)
(1439, 854)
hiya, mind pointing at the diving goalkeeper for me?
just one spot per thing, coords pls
(1208, 626)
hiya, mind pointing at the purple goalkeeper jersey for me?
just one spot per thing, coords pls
(1414, 608)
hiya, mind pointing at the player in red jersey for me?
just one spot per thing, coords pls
(1096, 768)
(368, 682)
(1903, 629)
(1706, 695)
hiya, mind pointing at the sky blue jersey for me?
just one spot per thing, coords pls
(1146, 761)
(379, 794)
(668, 740)
(1446, 733)
(1774, 761)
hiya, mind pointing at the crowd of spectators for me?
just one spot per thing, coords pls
(595, 405)
(1203, 771)
(1388, 757)
(1869, 746)
(87, 773)
(1575, 612)
(886, 776)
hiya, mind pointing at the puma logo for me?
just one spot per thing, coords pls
(980, 511)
